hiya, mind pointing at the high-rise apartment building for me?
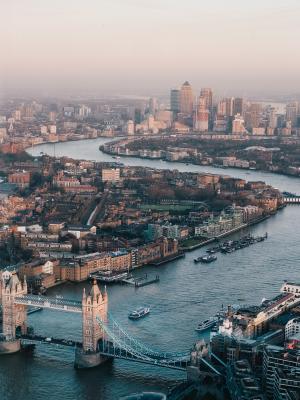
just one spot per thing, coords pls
(186, 99)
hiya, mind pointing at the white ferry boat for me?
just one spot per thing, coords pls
(208, 323)
(139, 313)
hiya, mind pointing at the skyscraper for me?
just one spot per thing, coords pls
(225, 107)
(207, 95)
(153, 105)
(238, 106)
(253, 116)
(238, 126)
(292, 113)
(175, 100)
(201, 115)
(186, 99)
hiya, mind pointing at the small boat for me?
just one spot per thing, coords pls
(208, 323)
(206, 259)
(139, 313)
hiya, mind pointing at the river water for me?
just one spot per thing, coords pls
(186, 294)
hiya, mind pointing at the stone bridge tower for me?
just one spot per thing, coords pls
(14, 315)
(93, 305)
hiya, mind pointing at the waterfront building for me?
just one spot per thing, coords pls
(292, 327)
(242, 383)
(186, 99)
(277, 358)
(291, 287)
(220, 225)
(286, 385)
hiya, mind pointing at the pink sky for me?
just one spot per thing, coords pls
(139, 46)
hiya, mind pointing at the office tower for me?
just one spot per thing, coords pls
(221, 108)
(186, 99)
(130, 128)
(238, 125)
(292, 113)
(207, 95)
(272, 118)
(253, 116)
(230, 107)
(201, 121)
(175, 100)
(138, 116)
(225, 107)
(153, 105)
(238, 106)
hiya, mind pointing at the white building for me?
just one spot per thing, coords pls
(292, 327)
(291, 287)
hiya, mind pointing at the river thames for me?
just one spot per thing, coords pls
(186, 294)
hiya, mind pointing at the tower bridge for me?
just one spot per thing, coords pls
(103, 337)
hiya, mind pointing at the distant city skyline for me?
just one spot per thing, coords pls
(147, 47)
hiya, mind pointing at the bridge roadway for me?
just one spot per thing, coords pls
(108, 349)
(28, 338)
(116, 344)
(53, 303)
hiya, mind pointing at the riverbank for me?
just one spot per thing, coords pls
(225, 234)
(186, 161)
(184, 296)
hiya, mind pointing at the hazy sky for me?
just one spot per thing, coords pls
(148, 46)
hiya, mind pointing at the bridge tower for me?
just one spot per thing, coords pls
(14, 315)
(93, 305)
